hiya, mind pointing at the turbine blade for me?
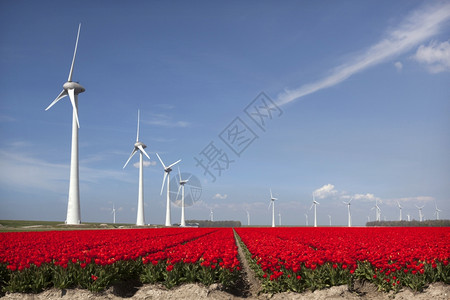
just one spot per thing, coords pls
(311, 206)
(270, 203)
(271, 193)
(317, 202)
(143, 151)
(60, 96)
(74, 100)
(174, 163)
(179, 173)
(164, 166)
(164, 181)
(74, 54)
(137, 135)
(131, 155)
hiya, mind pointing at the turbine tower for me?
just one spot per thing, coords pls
(72, 89)
(113, 212)
(306, 218)
(167, 171)
(377, 211)
(409, 217)
(420, 212)
(315, 210)
(436, 211)
(349, 214)
(248, 218)
(139, 146)
(272, 202)
(211, 215)
(329, 217)
(400, 208)
(182, 183)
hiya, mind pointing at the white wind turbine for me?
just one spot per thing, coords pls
(248, 218)
(72, 89)
(139, 146)
(329, 217)
(315, 210)
(400, 208)
(279, 219)
(420, 212)
(409, 217)
(113, 212)
(272, 202)
(377, 211)
(349, 214)
(167, 171)
(182, 183)
(306, 218)
(436, 211)
(211, 215)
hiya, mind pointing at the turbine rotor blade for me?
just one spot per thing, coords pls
(164, 166)
(60, 96)
(143, 151)
(74, 100)
(137, 135)
(174, 163)
(271, 194)
(164, 181)
(311, 206)
(74, 54)
(179, 187)
(131, 155)
(179, 173)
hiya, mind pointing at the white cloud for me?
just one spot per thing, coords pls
(435, 56)
(419, 26)
(165, 121)
(146, 163)
(365, 197)
(325, 191)
(221, 197)
(399, 66)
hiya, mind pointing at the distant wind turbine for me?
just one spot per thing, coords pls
(420, 212)
(272, 202)
(182, 183)
(436, 211)
(113, 212)
(377, 211)
(139, 146)
(349, 214)
(211, 215)
(72, 89)
(315, 209)
(167, 171)
(279, 219)
(306, 218)
(329, 217)
(409, 217)
(248, 218)
(400, 208)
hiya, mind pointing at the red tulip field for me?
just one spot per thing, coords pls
(284, 259)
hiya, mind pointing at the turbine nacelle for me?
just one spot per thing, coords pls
(72, 85)
(140, 144)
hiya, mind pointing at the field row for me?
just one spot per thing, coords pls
(312, 258)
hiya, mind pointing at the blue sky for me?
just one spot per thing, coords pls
(359, 89)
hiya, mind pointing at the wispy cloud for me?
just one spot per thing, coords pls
(325, 191)
(416, 28)
(165, 121)
(219, 196)
(146, 163)
(435, 56)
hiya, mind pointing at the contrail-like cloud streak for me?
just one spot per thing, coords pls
(416, 28)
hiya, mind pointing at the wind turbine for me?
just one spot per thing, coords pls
(72, 89)
(167, 171)
(182, 183)
(279, 219)
(113, 212)
(211, 215)
(248, 218)
(139, 146)
(329, 217)
(315, 210)
(409, 217)
(306, 218)
(272, 202)
(420, 212)
(377, 211)
(349, 214)
(400, 208)
(437, 210)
